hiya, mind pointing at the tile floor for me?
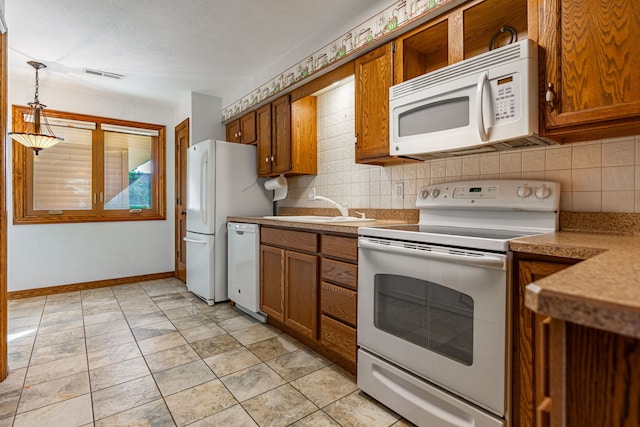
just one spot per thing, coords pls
(151, 353)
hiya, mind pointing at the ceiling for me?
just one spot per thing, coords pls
(164, 48)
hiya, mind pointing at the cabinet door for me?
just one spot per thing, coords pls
(263, 121)
(233, 131)
(248, 134)
(527, 381)
(281, 135)
(301, 293)
(592, 58)
(272, 281)
(374, 77)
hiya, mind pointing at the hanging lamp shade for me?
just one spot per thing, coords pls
(36, 132)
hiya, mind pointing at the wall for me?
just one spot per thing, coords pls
(202, 111)
(596, 176)
(59, 254)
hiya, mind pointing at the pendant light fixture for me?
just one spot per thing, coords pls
(36, 132)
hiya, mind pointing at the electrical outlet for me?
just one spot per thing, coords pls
(312, 194)
(398, 190)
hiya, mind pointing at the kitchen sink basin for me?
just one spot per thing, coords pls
(314, 218)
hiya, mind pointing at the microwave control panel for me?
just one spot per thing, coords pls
(505, 91)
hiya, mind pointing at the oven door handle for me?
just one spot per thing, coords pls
(482, 261)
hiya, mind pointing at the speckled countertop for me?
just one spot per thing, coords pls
(602, 291)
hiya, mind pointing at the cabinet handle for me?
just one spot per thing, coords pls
(272, 158)
(543, 413)
(266, 159)
(550, 97)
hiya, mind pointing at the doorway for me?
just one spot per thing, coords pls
(182, 145)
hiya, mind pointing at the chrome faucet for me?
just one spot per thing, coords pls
(343, 210)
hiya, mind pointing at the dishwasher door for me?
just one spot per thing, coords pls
(244, 267)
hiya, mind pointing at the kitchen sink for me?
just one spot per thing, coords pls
(315, 218)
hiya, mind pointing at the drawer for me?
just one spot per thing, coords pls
(292, 239)
(339, 302)
(340, 272)
(338, 337)
(340, 247)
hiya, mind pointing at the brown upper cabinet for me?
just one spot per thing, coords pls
(243, 130)
(591, 56)
(287, 137)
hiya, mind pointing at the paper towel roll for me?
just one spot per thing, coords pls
(279, 185)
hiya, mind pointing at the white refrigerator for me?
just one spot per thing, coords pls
(222, 181)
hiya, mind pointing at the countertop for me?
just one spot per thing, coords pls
(602, 291)
(331, 227)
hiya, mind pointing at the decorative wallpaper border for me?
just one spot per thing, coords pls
(391, 19)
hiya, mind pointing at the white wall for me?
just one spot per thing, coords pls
(595, 176)
(59, 254)
(204, 113)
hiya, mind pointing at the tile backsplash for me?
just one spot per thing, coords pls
(595, 176)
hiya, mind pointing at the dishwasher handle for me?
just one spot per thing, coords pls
(456, 256)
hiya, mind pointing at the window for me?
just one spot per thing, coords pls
(104, 170)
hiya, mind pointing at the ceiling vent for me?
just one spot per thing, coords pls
(98, 73)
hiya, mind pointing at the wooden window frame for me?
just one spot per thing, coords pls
(23, 212)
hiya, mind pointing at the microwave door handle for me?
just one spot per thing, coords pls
(484, 77)
(483, 261)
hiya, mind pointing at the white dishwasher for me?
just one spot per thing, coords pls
(244, 268)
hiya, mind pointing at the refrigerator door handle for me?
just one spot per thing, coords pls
(200, 242)
(203, 182)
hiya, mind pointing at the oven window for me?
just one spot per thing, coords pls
(425, 313)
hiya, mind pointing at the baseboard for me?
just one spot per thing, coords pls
(38, 292)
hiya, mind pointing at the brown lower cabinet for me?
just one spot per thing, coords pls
(308, 288)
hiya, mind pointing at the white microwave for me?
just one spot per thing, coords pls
(482, 104)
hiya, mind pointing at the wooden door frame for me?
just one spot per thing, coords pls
(183, 126)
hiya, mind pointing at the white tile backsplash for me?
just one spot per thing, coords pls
(595, 176)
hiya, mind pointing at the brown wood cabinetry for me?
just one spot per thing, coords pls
(243, 130)
(531, 335)
(287, 137)
(289, 278)
(308, 287)
(591, 55)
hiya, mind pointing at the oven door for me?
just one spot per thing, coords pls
(437, 312)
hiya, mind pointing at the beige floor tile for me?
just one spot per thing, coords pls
(146, 319)
(153, 330)
(72, 412)
(111, 339)
(216, 345)
(58, 351)
(118, 373)
(199, 402)
(234, 416)
(252, 381)
(183, 377)
(231, 361)
(326, 385)
(106, 327)
(44, 340)
(168, 302)
(56, 369)
(171, 358)
(65, 306)
(54, 391)
(6, 421)
(317, 419)
(192, 321)
(109, 316)
(237, 323)
(162, 342)
(60, 325)
(180, 312)
(253, 334)
(57, 316)
(121, 397)
(154, 414)
(203, 332)
(296, 364)
(356, 409)
(10, 390)
(111, 355)
(221, 312)
(279, 407)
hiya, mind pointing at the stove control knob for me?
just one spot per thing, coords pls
(435, 193)
(524, 191)
(543, 193)
(424, 193)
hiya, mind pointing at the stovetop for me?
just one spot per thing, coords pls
(483, 214)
